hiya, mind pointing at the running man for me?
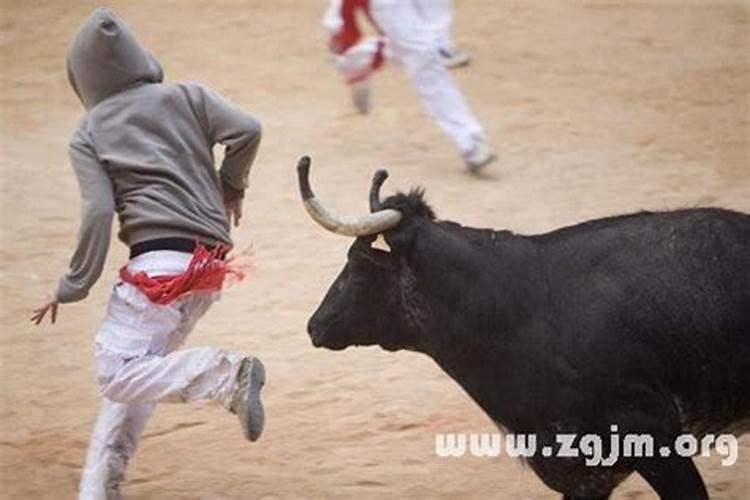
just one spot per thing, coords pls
(415, 33)
(143, 150)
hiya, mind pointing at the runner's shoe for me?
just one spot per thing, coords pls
(246, 402)
(453, 58)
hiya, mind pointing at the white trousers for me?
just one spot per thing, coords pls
(138, 365)
(438, 15)
(413, 31)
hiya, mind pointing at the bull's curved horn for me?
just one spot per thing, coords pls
(377, 181)
(345, 225)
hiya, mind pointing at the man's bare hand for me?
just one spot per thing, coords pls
(51, 306)
(234, 210)
(233, 204)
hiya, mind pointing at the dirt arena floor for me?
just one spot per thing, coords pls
(596, 108)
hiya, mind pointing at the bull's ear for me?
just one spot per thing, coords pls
(365, 248)
(401, 238)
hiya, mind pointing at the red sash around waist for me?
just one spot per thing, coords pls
(205, 272)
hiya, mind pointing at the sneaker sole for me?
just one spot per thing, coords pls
(253, 427)
(462, 63)
(476, 168)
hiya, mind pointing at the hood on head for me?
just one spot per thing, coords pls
(105, 58)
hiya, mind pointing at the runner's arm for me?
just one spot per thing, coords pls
(97, 211)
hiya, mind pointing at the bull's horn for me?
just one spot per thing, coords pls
(362, 225)
(377, 181)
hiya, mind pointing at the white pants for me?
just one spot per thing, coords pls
(414, 30)
(138, 365)
(438, 15)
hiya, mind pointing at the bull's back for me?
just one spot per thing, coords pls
(665, 296)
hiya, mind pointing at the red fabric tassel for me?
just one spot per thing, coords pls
(379, 57)
(206, 272)
(350, 35)
(350, 32)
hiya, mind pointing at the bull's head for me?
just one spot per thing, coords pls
(374, 299)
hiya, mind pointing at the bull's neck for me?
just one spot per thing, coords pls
(481, 289)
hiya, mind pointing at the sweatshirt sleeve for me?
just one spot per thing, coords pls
(238, 131)
(97, 211)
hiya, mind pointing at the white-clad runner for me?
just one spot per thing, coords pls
(413, 38)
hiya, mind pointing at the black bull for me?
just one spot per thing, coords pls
(640, 321)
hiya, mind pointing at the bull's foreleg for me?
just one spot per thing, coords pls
(674, 477)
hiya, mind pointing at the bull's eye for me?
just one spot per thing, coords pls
(379, 243)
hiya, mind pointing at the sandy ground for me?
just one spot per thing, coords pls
(596, 108)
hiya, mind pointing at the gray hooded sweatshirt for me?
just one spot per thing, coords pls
(143, 150)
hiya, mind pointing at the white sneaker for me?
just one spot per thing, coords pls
(245, 401)
(479, 157)
(361, 96)
(453, 58)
